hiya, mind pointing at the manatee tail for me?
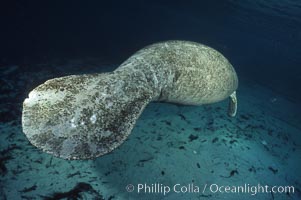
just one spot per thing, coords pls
(83, 116)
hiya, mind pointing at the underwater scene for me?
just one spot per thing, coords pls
(171, 100)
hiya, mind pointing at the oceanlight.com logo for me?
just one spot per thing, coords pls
(159, 188)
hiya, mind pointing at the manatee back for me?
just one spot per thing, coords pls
(188, 72)
(202, 75)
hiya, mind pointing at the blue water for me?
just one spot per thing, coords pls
(260, 37)
(40, 40)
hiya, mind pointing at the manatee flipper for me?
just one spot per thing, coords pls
(232, 107)
(82, 117)
(86, 116)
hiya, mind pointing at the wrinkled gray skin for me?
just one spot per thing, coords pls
(86, 116)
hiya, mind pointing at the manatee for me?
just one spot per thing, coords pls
(89, 115)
